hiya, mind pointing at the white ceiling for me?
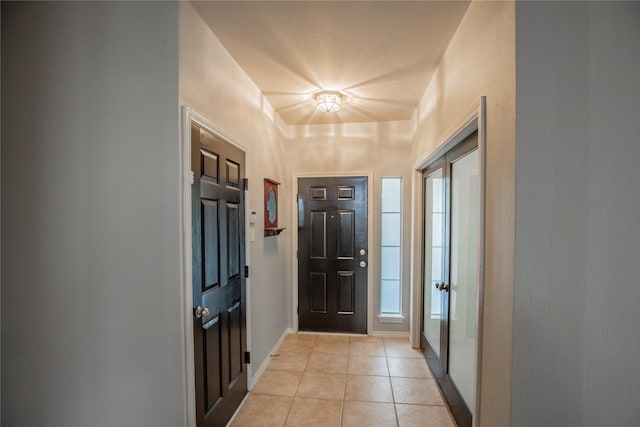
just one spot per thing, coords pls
(380, 54)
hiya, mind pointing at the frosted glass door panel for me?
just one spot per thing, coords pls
(433, 271)
(463, 303)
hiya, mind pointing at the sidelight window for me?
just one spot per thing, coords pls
(391, 254)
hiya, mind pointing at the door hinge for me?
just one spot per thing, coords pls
(192, 177)
(247, 357)
(246, 271)
(245, 184)
(298, 310)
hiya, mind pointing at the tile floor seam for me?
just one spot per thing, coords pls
(288, 411)
(367, 354)
(423, 404)
(320, 398)
(393, 396)
(369, 401)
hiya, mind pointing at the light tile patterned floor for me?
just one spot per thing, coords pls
(338, 380)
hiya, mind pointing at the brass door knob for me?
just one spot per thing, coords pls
(201, 312)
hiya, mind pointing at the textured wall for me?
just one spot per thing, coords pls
(91, 292)
(576, 340)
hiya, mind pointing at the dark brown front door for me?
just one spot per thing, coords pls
(332, 254)
(219, 296)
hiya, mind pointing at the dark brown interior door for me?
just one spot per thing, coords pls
(219, 284)
(332, 254)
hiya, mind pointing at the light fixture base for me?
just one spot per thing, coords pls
(328, 101)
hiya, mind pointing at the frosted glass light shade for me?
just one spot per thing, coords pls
(328, 101)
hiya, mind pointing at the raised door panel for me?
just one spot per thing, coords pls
(318, 235)
(233, 241)
(213, 347)
(209, 164)
(346, 292)
(233, 174)
(235, 341)
(318, 292)
(346, 234)
(210, 244)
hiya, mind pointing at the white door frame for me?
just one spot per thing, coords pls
(474, 120)
(294, 237)
(188, 117)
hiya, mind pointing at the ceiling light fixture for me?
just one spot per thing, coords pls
(328, 101)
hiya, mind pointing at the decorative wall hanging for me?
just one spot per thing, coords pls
(271, 208)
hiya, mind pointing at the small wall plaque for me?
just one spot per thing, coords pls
(271, 208)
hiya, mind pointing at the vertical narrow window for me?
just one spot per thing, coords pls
(390, 257)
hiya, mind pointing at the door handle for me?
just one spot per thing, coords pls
(442, 287)
(363, 264)
(201, 312)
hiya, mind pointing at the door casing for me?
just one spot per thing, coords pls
(473, 121)
(294, 237)
(188, 117)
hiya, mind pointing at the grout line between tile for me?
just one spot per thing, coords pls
(393, 395)
(350, 355)
(289, 411)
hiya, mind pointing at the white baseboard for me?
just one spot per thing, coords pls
(388, 334)
(258, 373)
(256, 376)
(333, 334)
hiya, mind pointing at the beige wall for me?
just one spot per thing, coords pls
(383, 148)
(480, 62)
(213, 85)
(576, 341)
(91, 301)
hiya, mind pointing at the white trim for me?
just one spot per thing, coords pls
(415, 261)
(189, 116)
(389, 318)
(482, 172)
(332, 334)
(294, 236)
(265, 362)
(475, 120)
(469, 124)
